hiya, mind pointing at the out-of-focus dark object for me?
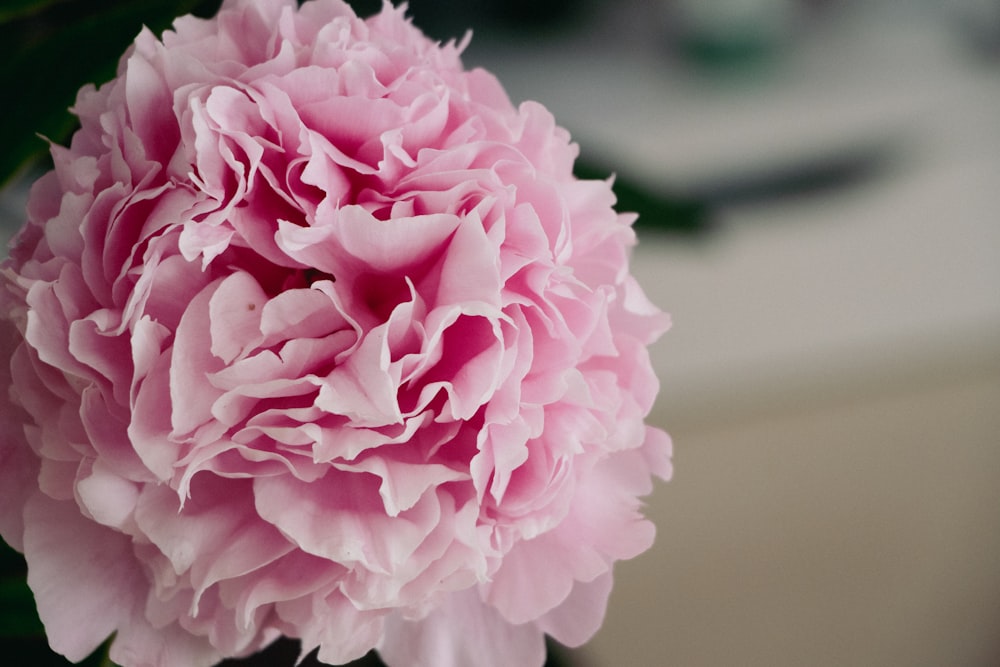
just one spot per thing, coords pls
(727, 33)
(979, 23)
(658, 212)
(510, 19)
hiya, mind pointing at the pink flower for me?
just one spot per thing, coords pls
(311, 332)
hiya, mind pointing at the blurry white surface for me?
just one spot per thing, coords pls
(794, 298)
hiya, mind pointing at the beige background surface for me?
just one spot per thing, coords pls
(861, 531)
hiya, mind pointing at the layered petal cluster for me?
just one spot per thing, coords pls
(311, 332)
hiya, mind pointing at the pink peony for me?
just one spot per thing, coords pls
(311, 332)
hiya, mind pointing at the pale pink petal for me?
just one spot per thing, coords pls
(191, 395)
(108, 432)
(658, 450)
(364, 388)
(341, 518)
(85, 579)
(234, 312)
(211, 537)
(300, 313)
(151, 424)
(537, 575)
(461, 631)
(142, 644)
(403, 482)
(580, 615)
(341, 631)
(108, 499)
(18, 476)
(291, 577)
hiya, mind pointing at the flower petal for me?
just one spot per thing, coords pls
(461, 631)
(85, 579)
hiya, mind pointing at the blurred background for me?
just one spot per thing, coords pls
(832, 380)
(819, 188)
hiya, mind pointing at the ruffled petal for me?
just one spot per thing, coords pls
(461, 631)
(85, 579)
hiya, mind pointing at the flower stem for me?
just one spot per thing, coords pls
(106, 658)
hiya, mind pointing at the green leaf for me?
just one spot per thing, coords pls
(19, 8)
(18, 617)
